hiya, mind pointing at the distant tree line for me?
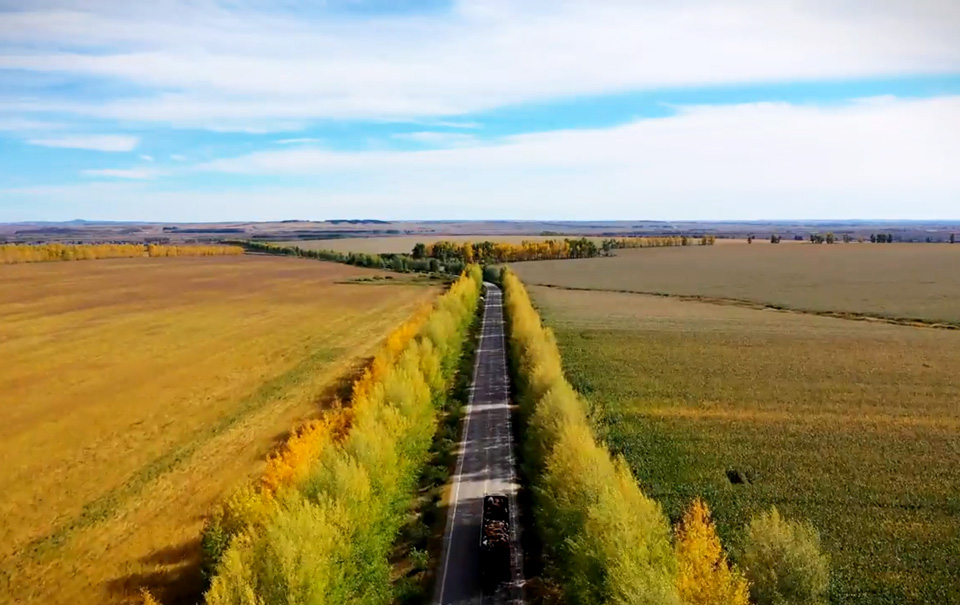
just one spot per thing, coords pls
(38, 253)
(488, 252)
(655, 242)
(400, 263)
(453, 257)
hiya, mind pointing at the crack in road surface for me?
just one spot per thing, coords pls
(485, 466)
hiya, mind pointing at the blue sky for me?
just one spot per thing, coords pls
(609, 109)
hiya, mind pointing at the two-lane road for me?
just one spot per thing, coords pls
(485, 466)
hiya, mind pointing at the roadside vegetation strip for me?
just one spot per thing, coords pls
(320, 526)
(604, 540)
(30, 253)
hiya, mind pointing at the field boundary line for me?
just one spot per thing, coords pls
(760, 306)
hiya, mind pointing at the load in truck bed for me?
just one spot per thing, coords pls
(495, 542)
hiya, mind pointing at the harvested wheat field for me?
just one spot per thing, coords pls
(134, 393)
(901, 281)
(853, 425)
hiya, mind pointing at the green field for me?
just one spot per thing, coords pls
(852, 425)
(904, 281)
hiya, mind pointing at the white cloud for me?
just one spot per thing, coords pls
(865, 145)
(146, 158)
(132, 173)
(457, 124)
(176, 157)
(19, 125)
(439, 139)
(104, 142)
(299, 141)
(239, 66)
(881, 158)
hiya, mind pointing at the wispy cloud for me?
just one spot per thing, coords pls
(146, 158)
(130, 173)
(438, 139)
(757, 160)
(456, 124)
(22, 125)
(176, 157)
(299, 141)
(494, 53)
(105, 142)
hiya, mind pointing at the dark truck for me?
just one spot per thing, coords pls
(495, 556)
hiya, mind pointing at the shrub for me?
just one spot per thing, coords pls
(703, 575)
(783, 562)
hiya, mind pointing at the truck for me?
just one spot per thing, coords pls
(495, 555)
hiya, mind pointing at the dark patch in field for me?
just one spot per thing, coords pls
(738, 477)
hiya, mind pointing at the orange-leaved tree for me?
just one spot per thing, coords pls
(704, 577)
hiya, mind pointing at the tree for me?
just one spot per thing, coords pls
(703, 575)
(783, 562)
(873, 238)
(420, 251)
(775, 239)
(953, 238)
(831, 238)
(749, 239)
(467, 251)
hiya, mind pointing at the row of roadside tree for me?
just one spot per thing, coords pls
(320, 524)
(604, 540)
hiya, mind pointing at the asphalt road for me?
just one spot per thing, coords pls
(485, 466)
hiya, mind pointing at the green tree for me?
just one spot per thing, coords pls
(420, 250)
(783, 562)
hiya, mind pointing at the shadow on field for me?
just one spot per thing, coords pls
(176, 579)
(176, 576)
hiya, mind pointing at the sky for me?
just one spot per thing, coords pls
(208, 111)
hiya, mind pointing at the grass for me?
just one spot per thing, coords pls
(852, 425)
(136, 392)
(901, 281)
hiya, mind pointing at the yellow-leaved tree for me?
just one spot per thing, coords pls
(704, 577)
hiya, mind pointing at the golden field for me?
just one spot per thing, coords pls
(134, 393)
(853, 425)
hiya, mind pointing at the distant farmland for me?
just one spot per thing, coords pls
(852, 425)
(135, 392)
(909, 281)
